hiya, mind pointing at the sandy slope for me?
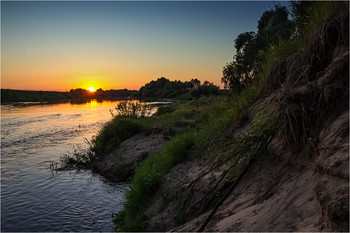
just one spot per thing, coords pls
(291, 189)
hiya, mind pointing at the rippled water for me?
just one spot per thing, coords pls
(37, 198)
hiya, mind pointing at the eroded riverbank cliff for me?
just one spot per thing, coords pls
(292, 178)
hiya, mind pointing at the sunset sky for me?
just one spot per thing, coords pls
(114, 45)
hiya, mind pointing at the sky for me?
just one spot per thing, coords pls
(114, 45)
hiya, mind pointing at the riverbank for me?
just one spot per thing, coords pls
(273, 158)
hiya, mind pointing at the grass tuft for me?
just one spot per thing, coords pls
(114, 132)
(147, 179)
(320, 12)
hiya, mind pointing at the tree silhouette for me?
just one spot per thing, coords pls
(273, 25)
(196, 83)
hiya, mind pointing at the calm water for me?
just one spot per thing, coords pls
(36, 198)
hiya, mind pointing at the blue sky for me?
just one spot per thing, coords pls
(63, 45)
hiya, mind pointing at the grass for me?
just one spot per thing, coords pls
(115, 132)
(210, 116)
(318, 13)
(253, 144)
(184, 117)
(129, 120)
(280, 51)
(221, 114)
(80, 156)
(205, 117)
(277, 53)
(172, 119)
(147, 179)
(106, 141)
(164, 109)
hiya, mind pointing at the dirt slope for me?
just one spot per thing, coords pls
(119, 165)
(303, 183)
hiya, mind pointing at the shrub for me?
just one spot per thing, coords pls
(114, 132)
(204, 90)
(132, 109)
(80, 156)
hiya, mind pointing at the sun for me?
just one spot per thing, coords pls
(91, 89)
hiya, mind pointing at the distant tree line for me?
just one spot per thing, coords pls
(80, 93)
(163, 88)
(8, 95)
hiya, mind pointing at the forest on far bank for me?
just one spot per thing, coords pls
(162, 88)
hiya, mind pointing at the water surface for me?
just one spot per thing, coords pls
(37, 198)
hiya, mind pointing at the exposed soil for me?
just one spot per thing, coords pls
(119, 166)
(303, 183)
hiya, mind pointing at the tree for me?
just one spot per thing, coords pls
(207, 83)
(206, 89)
(164, 88)
(233, 78)
(272, 26)
(196, 83)
(243, 40)
(300, 10)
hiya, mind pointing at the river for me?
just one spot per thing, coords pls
(37, 198)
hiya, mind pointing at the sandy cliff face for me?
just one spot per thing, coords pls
(303, 183)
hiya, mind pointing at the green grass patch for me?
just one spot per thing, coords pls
(184, 117)
(221, 114)
(147, 179)
(253, 144)
(115, 132)
(164, 109)
(277, 53)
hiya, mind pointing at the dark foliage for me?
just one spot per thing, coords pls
(300, 10)
(8, 95)
(205, 90)
(163, 88)
(75, 95)
(272, 26)
(101, 94)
